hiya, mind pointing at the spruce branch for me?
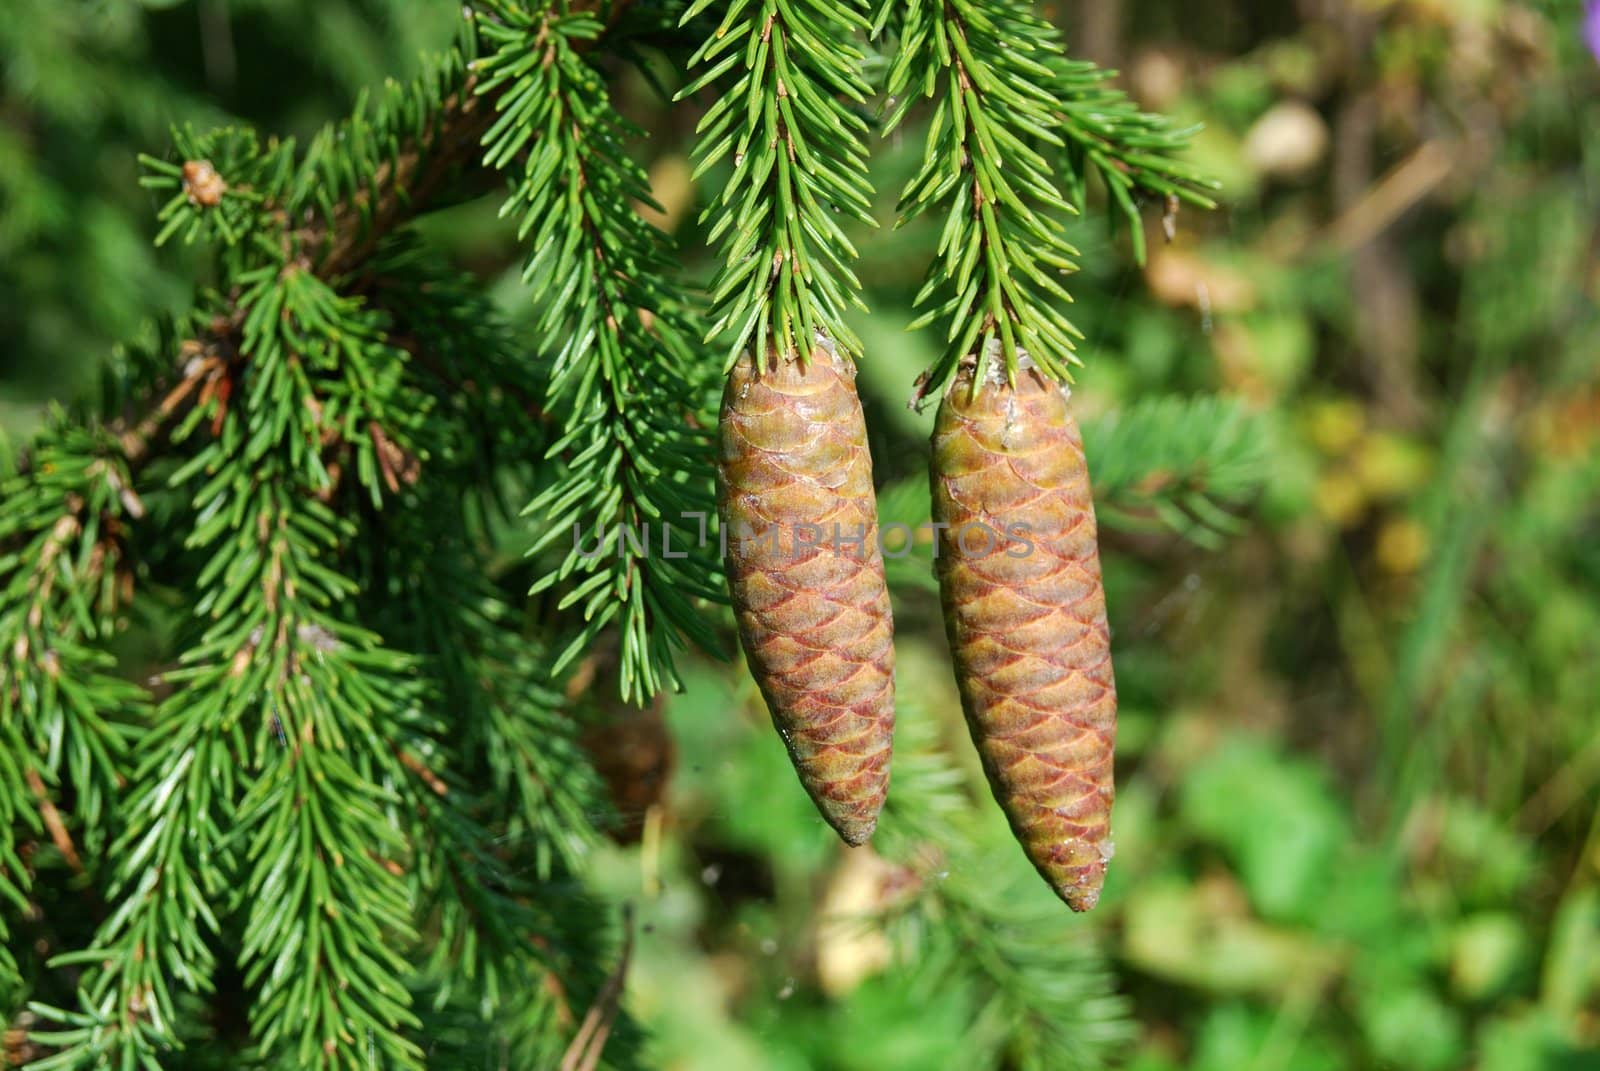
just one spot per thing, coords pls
(1134, 152)
(278, 685)
(399, 155)
(428, 139)
(67, 577)
(322, 847)
(489, 681)
(1186, 464)
(53, 823)
(1050, 988)
(223, 191)
(203, 362)
(1016, 128)
(1002, 249)
(799, 164)
(589, 1044)
(272, 769)
(509, 939)
(329, 699)
(505, 959)
(494, 427)
(501, 804)
(410, 176)
(484, 932)
(66, 717)
(623, 377)
(361, 181)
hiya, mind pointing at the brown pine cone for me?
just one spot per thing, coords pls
(800, 521)
(1019, 575)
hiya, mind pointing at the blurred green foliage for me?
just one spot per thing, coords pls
(1359, 776)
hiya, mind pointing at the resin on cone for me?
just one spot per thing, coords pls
(1019, 576)
(806, 573)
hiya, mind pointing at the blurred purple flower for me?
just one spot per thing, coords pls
(1591, 26)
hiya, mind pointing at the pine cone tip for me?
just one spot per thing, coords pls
(1079, 887)
(1080, 900)
(853, 831)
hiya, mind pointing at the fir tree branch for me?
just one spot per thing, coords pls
(362, 181)
(66, 718)
(1186, 464)
(799, 160)
(1132, 151)
(623, 377)
(1007, 102)
(313, 378)
(413, 178)
(1002, 246)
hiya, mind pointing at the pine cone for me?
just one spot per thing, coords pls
(1019, 575)
(806, 573)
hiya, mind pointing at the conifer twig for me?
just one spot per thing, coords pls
(400, 189)
(417, 175)
(619, 336)
(590, 1042)
(407, 184)
(52, 821)
(996, 283)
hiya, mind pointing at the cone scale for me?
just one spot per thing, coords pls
(805, 571)
(1019, 577)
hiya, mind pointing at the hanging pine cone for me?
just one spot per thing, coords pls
(1019, 575)
(806, 574)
